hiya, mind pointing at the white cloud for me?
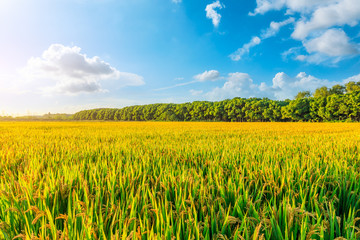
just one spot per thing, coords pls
(212, 14)
(343, 12)
(176, 1)
(283, 86)
(313, 27)
(264, 6)
(298, 54)
(245, 49)
(74, 87)
(355, 78)
(303, 6)
(271, 31)
(334, 42)
(176, 85)
(275, 28)
(67, 70)
(301, 57)
(211, 75)
(196, 92)
(329, 48)
(291, 52)
(237, 85)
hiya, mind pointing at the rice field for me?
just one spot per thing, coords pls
(152, 180)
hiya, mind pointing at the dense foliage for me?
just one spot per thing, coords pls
(340, 103)
(150, 180)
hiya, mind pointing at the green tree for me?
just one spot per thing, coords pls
(336, 108)
(338, 103)
(317, 109)
(337, 90)
(304, 94)
(321, 92)
(298, 110)
(352, 87)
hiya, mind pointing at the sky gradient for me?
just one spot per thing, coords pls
(62, 56)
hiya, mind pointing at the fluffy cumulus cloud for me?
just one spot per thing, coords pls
(333, 42)
(67, 70)
(342, 12)
(264, 6)
(210, 75)
(330, 47)
(319, 26)
(237, 84)
(282, 87)
(212, 14)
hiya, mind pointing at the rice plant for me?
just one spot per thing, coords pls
(132, 180)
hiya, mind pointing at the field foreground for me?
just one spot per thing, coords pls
(147, 180)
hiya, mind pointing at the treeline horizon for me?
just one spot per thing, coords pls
(338, 103)
(45, 117)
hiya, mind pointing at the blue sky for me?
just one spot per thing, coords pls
(68, 55)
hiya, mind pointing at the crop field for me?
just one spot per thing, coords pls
(153, 180)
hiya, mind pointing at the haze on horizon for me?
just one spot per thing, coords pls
(63, 56)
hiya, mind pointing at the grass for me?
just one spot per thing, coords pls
(153, 180)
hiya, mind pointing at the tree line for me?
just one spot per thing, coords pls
(339, 103)
(45, 117)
